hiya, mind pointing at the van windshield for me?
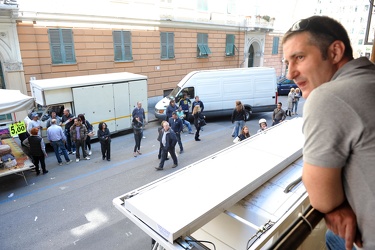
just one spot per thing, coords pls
(174, 93)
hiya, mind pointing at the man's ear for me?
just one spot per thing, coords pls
(336, 51)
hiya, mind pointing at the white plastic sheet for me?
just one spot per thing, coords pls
(13, 101)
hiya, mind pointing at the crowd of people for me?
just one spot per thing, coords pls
(73, 139)
(72, 135)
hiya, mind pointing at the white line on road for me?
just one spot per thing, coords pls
(95, 218)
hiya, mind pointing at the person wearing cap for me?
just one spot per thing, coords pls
(339, 128)
(177, 126)
(262, 125)
(35, 123)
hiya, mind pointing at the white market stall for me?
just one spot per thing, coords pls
(12, 101)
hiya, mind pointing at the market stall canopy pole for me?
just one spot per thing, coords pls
(14, 101)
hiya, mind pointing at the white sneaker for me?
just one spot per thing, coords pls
(90, 152)
(87, 158)
(74, 152)
(144, 137)
(68, 162)
(77, 160)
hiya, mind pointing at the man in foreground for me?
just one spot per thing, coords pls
(339, 128)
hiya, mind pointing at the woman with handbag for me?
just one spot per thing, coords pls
(138, 134)
(90, 133)
(198, 121)
(105, 140)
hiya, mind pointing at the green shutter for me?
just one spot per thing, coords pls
(170, 45)
(128, 45)
(67, 37)
(229, 46)
(275, 46)
(163, 45)
(54, 38)
(122, 45)
(117, 45)
(202, 45)
(62, 46)
(167, 45)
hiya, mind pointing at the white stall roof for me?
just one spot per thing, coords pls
(14, 101)
(184, 201)
(74, 81)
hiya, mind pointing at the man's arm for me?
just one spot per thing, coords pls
(326, 193)
(324, 186)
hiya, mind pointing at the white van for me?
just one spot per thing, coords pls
(256, 88)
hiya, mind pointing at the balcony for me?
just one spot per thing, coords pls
(259, 23)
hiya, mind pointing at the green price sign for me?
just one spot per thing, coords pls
(17, 128)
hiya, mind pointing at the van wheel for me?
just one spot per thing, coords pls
(248, 114)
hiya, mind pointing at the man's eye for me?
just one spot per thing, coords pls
(299, 57)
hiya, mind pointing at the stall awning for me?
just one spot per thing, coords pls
(13, 101)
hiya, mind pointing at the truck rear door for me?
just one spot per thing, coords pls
(96, 102)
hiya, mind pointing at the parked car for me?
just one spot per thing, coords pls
(284, 85)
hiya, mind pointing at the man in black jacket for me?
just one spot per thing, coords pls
(177, 126)
(168, 140)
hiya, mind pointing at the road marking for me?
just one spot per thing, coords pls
(95, 219)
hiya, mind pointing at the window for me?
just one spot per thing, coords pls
(229, 46)
(231, 7)
(202, 5)
(275, 46)
(122, 45)
(202, 45)
(360, 41)
(167, 45)
(62, 46)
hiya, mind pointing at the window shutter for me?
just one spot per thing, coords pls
(170, 45)
(163, 44)
(54, 36)
(117, 45)
(229, 47)
(128, 45)
(67, 37)
(275, 46)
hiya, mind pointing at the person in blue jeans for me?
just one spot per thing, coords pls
(67, 120)
(181, 115)
(333, 242)
(57, 139)
(238, 118)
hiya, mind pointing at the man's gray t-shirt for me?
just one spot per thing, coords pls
(339, 129)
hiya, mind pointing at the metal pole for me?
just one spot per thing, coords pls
(294, 236)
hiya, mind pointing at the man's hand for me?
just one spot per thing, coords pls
(343, 222)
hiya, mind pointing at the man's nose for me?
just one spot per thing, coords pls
(291, 72)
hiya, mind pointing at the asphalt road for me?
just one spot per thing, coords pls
(71, 206)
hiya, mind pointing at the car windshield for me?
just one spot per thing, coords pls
(174, 93)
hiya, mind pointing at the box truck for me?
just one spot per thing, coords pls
(256, 88)
(108, 98)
